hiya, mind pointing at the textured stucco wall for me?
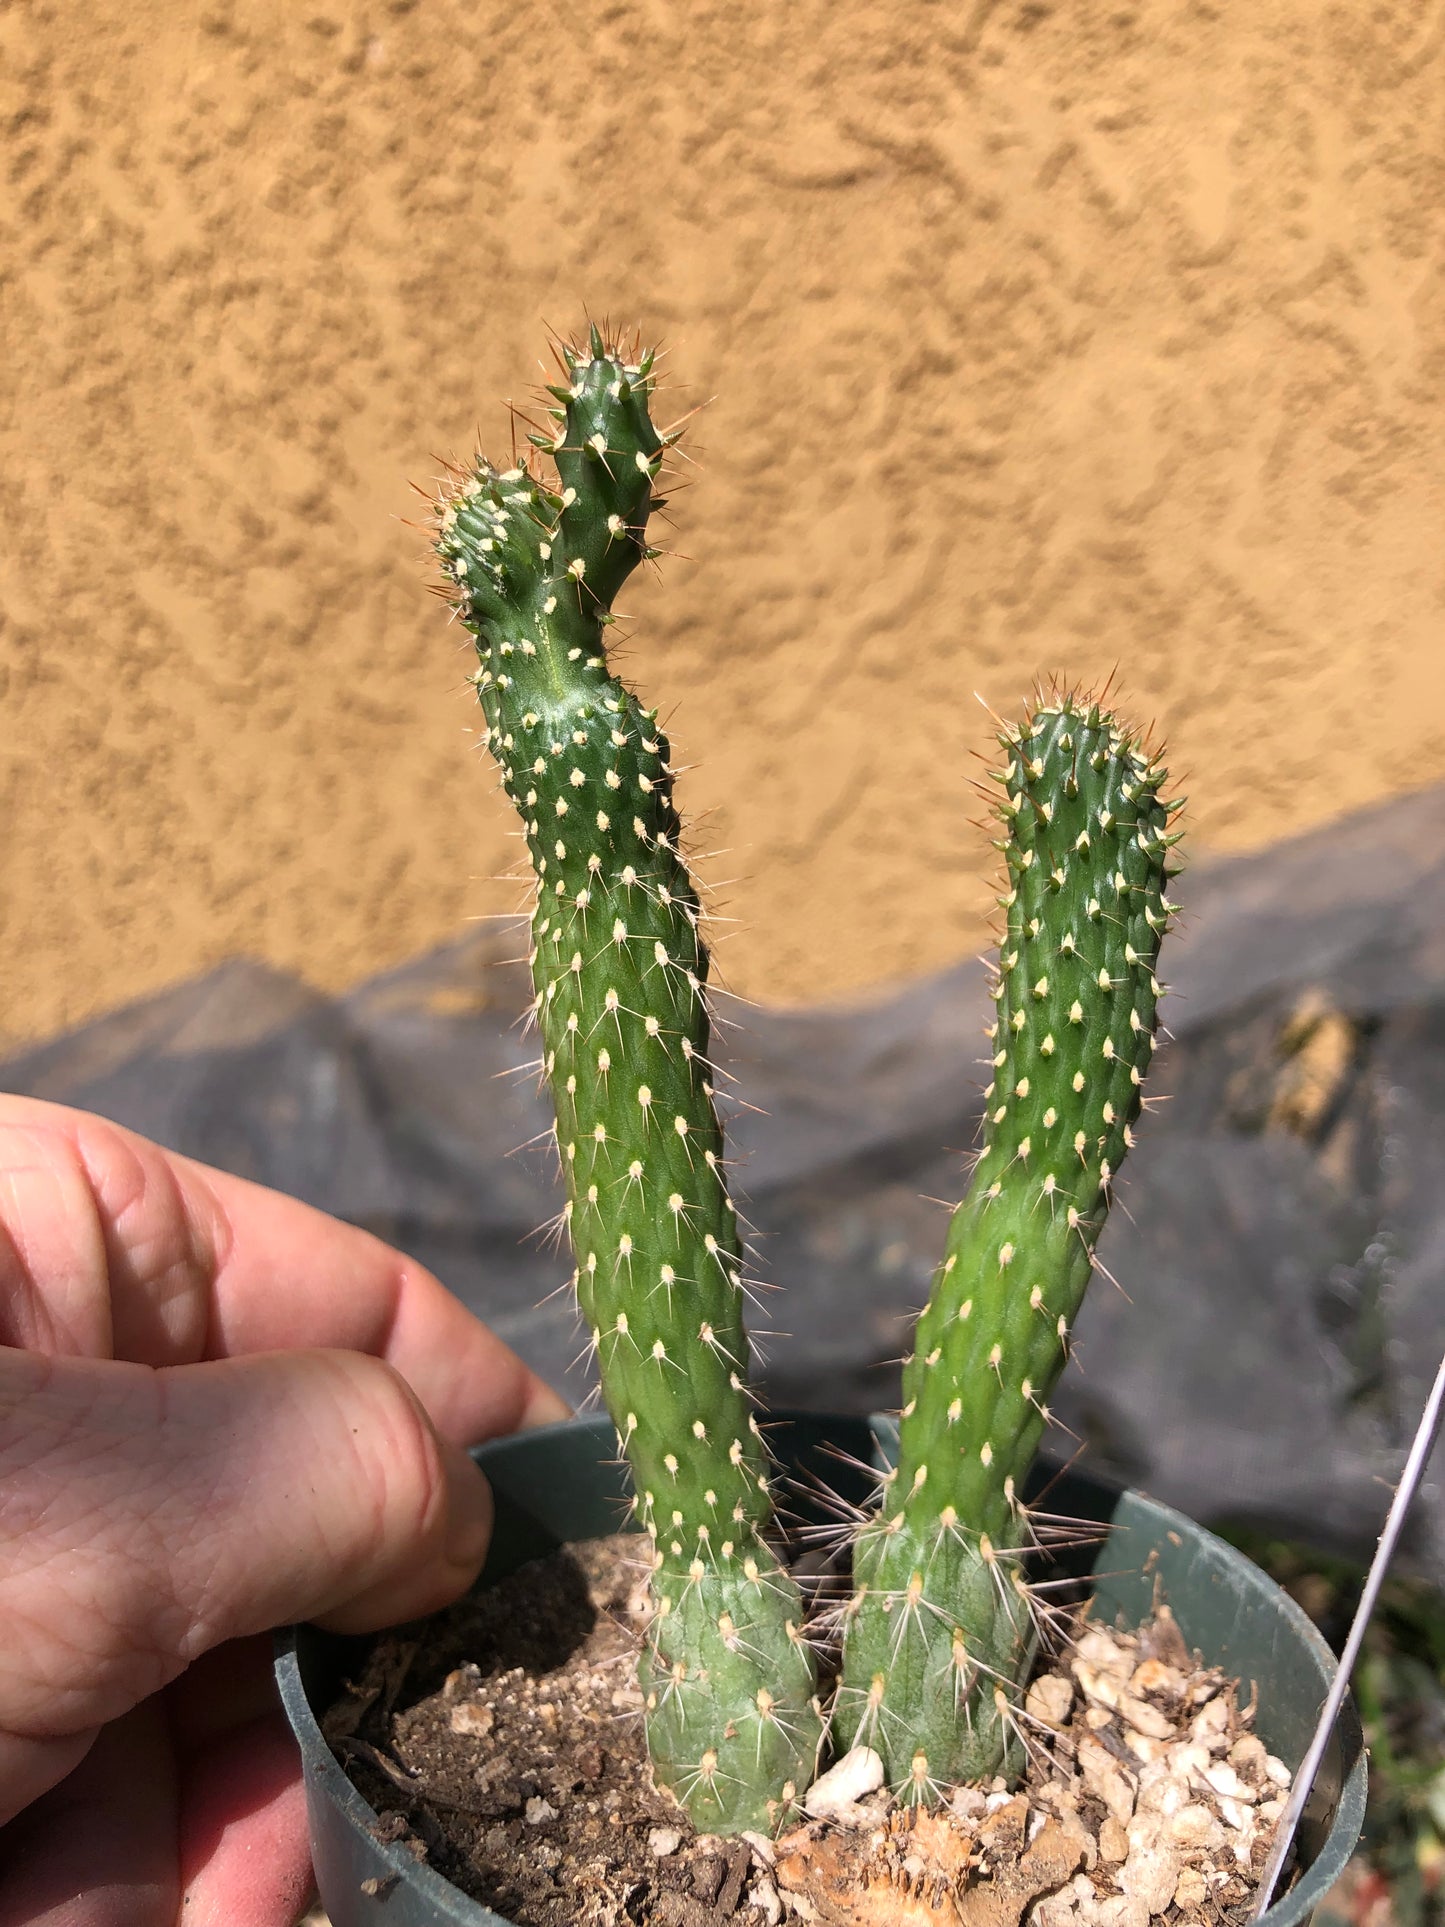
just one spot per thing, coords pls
(1041, 336)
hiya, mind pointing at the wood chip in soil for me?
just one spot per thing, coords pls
(501, 1742)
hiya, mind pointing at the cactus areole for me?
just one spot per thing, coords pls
(940, 1629)
(619, 970)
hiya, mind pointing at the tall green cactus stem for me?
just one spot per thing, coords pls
(939, 1633)
(619, 970)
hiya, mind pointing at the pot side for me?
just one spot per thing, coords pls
(564, 1482)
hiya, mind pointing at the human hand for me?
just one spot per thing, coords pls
(223, 1411)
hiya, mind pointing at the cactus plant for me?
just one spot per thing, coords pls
(940, 1627)
(619, 970)
(939, 1630)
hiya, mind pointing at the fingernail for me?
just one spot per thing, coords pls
(544, 1408)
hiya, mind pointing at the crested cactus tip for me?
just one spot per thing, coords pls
(534, 561)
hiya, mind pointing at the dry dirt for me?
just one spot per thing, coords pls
(1042, 336)
(501, 1744)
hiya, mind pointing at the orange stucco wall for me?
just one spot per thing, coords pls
(1040, 336)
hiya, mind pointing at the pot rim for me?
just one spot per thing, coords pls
(453, 1908)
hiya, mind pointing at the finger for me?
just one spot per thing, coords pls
(52, 1247)
(30, 1766)
(222, 1691)
(146, 1517)
(100, 1849)
(245, 1855)
(108, 1244)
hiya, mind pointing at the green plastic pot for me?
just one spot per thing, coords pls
(564, 1483)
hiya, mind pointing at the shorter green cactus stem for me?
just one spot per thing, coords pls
(619, 969)
(940, 1631)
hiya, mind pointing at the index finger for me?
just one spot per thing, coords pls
(111, 1246)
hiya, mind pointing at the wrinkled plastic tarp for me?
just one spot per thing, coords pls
(1278, 1257)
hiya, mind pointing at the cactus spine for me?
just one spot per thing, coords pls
(619, 969)
(939, 1631)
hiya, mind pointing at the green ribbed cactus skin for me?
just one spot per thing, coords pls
(619, 969)
(939, 1633)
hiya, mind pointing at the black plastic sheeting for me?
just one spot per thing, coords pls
(1279, 1304)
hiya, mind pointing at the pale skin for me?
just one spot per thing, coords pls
(220, 1411)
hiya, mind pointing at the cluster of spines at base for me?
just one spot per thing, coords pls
(619, 971)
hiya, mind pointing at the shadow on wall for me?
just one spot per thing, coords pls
(1277, 1309)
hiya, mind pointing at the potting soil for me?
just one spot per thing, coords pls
(502, 1743)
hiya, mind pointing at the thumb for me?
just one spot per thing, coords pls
(147, 1515)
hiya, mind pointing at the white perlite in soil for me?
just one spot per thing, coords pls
(1147, 1797)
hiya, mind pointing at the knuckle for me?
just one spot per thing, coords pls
(397, 1461)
